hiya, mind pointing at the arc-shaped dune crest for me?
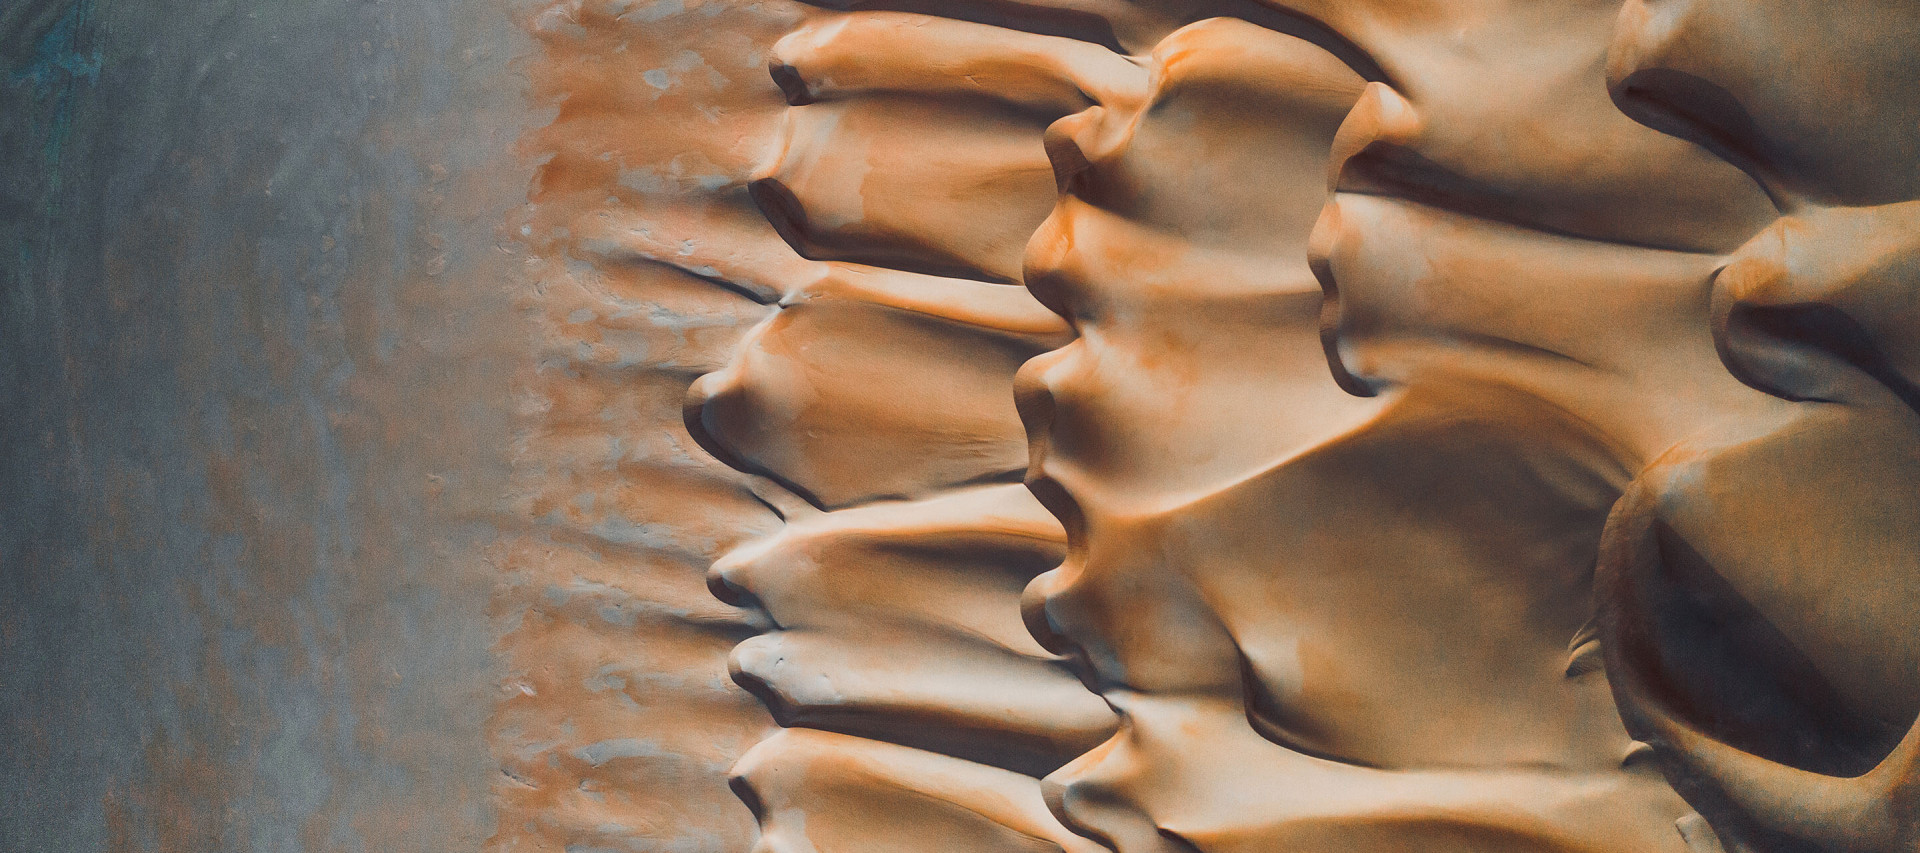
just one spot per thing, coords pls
(1195, 425)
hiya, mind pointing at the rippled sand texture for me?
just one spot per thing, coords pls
(1444, 426)
(616, 725)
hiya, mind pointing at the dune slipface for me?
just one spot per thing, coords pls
(1189, 426)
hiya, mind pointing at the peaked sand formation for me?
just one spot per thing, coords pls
(1471, 425)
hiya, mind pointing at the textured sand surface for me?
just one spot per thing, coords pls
(858, 426)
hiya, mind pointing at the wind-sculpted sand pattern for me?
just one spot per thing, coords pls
(878, 397)
(870, 407)
(1759, 579)
(1207, 426)
(1353, 629)
(616, 725)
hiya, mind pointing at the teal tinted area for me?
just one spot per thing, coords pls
(253, 349)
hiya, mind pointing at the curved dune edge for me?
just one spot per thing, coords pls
(1426, 443)
(1806, 601)
(1345, 593)
(615, 725)
(876, 401)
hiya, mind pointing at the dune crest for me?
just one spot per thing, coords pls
(1228, 426)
